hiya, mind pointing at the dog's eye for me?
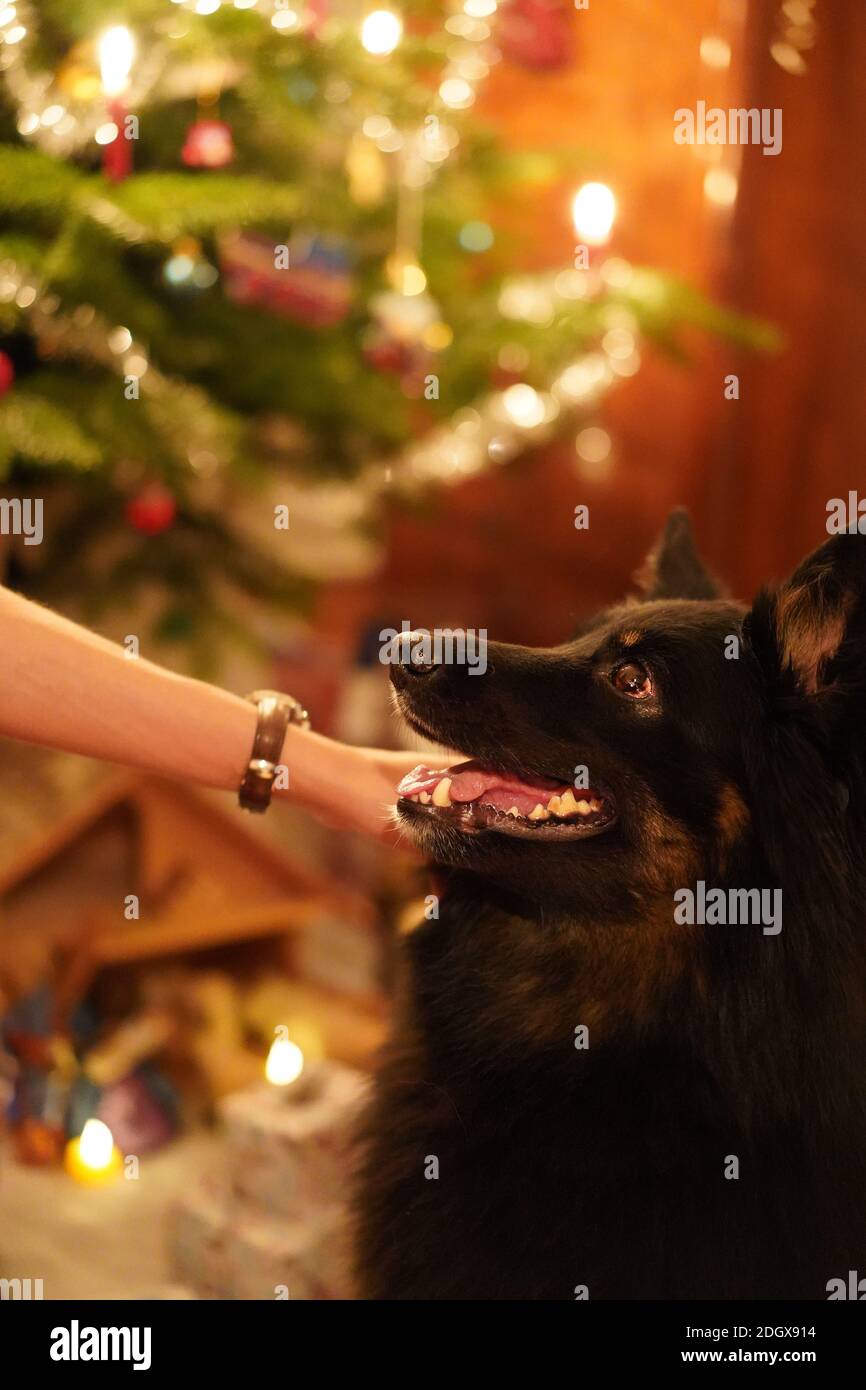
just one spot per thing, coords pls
(632, 679)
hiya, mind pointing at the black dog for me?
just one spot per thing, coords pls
(586, 1096)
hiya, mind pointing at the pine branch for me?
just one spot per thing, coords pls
(39, 430)
(163, 207)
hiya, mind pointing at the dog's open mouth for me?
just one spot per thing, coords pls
(475, 798)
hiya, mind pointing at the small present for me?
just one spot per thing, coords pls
(289, 1148)
(224, 1246)
(302, 1259)
(309, 280)
(198, 1231)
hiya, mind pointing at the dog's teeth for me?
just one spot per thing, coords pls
(553, 805)
(512, 811)
(584, 808)
(567, 804)
(442, 792)
(424, 798)
(539, 813)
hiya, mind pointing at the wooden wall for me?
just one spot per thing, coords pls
(798, 258)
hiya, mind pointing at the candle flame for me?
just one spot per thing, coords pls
(116, 51)
(593, 211)
(285, 1062)
(96, 1144)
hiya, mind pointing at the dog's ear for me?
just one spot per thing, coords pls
(673, 568)
(810, 633)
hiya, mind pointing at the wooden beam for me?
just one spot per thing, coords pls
(144, 940)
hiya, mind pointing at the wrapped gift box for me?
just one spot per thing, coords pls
(224, 1247)
(289, 1148)
(198, 1227)
(275, 1222)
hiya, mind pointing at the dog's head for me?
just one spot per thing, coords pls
(659, 745)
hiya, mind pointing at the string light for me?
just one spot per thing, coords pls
(617, 273)
(788, 57)
(523, 405)
(528, 299)
(120, 339)
(715, 52)
(721, 187)
(406, 275)
(457, 93)
(796, 32)
(618, 343)
(593, 444)
(476, 236)
(381, 32)
(798, 11)
(286, 20)
(465, 28)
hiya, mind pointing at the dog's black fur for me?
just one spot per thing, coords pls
(606, 1167)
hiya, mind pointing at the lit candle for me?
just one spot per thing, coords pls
(593, 210)
(93, 1158)
(116, 51)
(285, 1062)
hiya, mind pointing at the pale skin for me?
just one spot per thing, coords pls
(64, 687)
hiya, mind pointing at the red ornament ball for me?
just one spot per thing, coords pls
(7, 373)
(387, 355)
(208, 145)
(536, 34)
(152, 510)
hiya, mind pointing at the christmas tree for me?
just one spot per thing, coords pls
(251, 252)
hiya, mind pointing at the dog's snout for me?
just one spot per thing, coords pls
(413, 654)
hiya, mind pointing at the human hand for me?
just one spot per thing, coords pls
(346, 787)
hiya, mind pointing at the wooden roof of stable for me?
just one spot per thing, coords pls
(205, 878)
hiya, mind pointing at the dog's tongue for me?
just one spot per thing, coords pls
(471, 780)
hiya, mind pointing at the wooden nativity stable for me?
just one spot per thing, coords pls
(152, 902)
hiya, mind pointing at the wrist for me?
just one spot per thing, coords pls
(340, 784)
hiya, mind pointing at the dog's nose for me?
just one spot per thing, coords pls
(412, 651)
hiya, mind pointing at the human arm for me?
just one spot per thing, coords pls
(64, 687)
